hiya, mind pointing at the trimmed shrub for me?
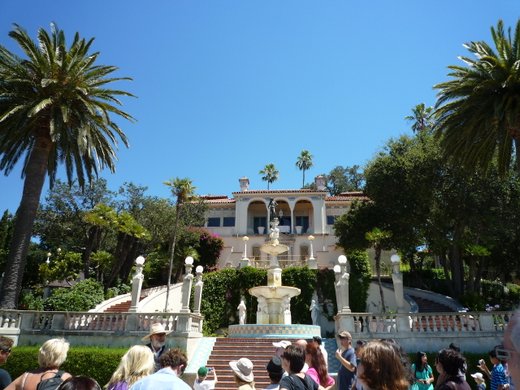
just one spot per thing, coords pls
(81, 297)
(96, 362)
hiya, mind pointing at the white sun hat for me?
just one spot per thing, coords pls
(156, 328)
(243, 368)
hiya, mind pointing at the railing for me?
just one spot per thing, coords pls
(38, 321)
(450, 322)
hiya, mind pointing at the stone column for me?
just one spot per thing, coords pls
(198, 289)
(245, 262)
(344, 281)
(137, 283)
(337, 283)
(312, 263)
(186, 285)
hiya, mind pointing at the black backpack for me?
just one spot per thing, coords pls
(51, 383)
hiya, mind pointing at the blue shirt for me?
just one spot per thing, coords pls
(346, 377)
(164, 379)
(498, 376)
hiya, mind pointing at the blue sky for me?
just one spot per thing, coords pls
(225, 87)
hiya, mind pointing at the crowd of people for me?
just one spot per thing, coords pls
(300, 365)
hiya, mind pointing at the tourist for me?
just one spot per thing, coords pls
(280, 347)
(173, 363)
(293, 360)
(450, 365)
(511, 348)
(243, 370)
(135, 364)
(317, 368)
(479, 379)
(302, 343)
(497, 375)
(80, 382)
(319, 341)
(347, 358)
(156, 340)
(423, 373)
(6, 344)
(275, 371)
(202, 382)
(358, 350)
(381, 367)
(51, 356)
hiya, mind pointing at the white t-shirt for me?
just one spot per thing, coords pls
(204, 385)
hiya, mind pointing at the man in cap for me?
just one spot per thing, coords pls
(156, 341)
(173, 362)
(202, 383)
(347, 357)
(275, 371)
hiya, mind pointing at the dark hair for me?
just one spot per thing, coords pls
(173, 358)
(79, 382)
(295, 355)
(419, 366)
(451, 361)
(405, 360)
(317, 339)
(455, 347)
(275, 377)
(6, 344)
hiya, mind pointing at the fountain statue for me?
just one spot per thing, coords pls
(274, 299)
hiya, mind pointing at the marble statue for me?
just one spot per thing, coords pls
(241, 312)
(315, 312)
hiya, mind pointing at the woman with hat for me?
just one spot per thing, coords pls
(243, 370)
(156, 341)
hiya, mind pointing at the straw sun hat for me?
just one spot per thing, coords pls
(243, 368)
(156, 328)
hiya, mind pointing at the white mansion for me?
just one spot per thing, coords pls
(306, 223)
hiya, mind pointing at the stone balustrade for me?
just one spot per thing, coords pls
(473, 331)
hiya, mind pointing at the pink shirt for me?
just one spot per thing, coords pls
(314, 375)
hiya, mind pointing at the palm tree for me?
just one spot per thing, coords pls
(54, 108)
(478, 110)
(304, 162)
(377, 238)
(182, 190)
(270, 174)
(422, 118)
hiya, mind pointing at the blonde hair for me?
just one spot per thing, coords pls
(135, 364)
(53, 353)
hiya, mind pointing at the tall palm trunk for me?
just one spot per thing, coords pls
(23, 225)
(378, 273)
(303, 183)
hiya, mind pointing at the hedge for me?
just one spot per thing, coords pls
(96, 362)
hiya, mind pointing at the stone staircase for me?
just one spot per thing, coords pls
(259, 351)
(427, 306)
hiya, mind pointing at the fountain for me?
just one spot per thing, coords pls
(274, 300)
(273, 317)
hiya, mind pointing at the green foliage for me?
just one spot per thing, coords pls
(342, 179)
(96, 362)
(64, 266)
(207, 245)
(81, 297)
(29, 301)
(304, 279)
(120, 289)
(360, 277)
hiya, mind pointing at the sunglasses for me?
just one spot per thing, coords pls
(3, 350)
(503, 354)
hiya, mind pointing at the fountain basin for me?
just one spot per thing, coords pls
(274, 249)
(274, 292)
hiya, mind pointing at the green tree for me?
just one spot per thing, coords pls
(304, 162)
(55, 108)
(182, 190)
(478, 110)
(421, 118)
(345, 179)
(269, 174)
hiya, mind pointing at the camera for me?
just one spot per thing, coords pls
(210, 369)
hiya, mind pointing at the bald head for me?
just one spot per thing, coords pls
(301, 343)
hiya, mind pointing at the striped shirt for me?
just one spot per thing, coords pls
(498, 376)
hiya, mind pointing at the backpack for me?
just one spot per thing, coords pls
(51, 383)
